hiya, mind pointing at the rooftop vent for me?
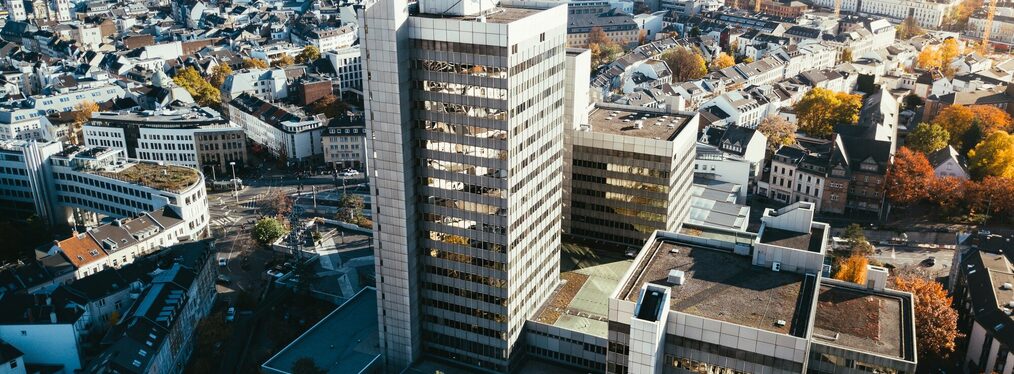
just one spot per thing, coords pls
(677, 277)
(780, 323)
(1006, 286)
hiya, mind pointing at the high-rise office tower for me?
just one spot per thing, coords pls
(464, 102)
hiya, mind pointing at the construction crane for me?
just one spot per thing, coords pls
(756, 6)
(984, 48)
(837, 9)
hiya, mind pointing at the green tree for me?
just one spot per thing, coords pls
(203, 92)
(254, 63)
(928, 138)
(350, 207)
(605, 52)
(912, 101)
(267, 230)
(219, 73)
(855, 240)
(685, 64)
(309, 54)
(306, 365)
(282, 61)
(821, 109)
(994, 156)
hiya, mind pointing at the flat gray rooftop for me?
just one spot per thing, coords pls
(345, 341)
(723, 286)
(859, 320)
(809, 241)
(624, 122)
(500, 14)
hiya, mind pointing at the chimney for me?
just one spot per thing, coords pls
(876, 277)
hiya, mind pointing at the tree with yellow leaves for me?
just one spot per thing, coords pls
(722, 61)
(200, 89)
(853, 269)
(994, 156)
(949, 50)
(254, 63)
(282, 61)
(928, 58)
(936, 323)
(821, 109)
(219, 73)
(82, 114)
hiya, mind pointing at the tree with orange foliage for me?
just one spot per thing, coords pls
(909, 179)
(853, 269)
(959, 120)
(991, 195)
(948, 192)
(936, 323)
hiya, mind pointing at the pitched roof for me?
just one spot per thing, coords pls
(81, 249)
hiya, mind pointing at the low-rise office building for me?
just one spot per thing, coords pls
(196, 137)
(758, 303)
(79, 184)
(628, 173)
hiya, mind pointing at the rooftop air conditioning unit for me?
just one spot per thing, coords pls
(677, 277)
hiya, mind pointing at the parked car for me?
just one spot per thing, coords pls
(348, 173)
(230, 314)
(222, 261)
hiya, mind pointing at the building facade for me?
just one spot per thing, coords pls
(196, 137)
(285, 131)
(630, 171)
(345, 142)
(465, 116)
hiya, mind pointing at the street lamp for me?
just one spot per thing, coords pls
(235, 189)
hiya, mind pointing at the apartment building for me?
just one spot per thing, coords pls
(284, 130)
(195, 137)
(1003, 25)
(927, 13)
(466, 112)
(159, 330)
(619, 27)
(345, 142)
(47, 331)
(325, 39)
(982, 293)
(628, 173)
(24, 124)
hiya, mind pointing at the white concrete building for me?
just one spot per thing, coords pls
(24, 124)
(267, 84)
(64, 101)
(927, 13)
(347, 63)
(285, 131)
(79, 184)
(739, 109)
(188, 136)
